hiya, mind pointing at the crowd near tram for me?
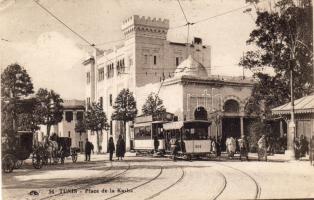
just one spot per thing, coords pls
(158, 136)
(190, 139)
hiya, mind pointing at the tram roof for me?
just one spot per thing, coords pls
(180, 124)
(147, 123)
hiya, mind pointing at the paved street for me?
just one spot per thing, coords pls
(161, 178)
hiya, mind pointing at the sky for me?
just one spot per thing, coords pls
(53, 55)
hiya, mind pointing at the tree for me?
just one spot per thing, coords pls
(284, 41)
(153, 105)
(16, 85)
(48, 108)
(124, 108)
(80, 127)
(95, 120)
(26, 115)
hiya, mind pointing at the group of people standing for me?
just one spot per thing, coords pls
(301, 146)
(119, 149)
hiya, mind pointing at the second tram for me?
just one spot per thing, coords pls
(192, 137)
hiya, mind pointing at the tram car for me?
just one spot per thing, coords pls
(192, 137)
(146, 129)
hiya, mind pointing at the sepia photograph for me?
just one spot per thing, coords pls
(157, 99)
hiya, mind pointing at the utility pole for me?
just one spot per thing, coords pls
(291, 128)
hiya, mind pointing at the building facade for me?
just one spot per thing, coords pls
(73, 111)
(147, 62)
(145, 57)
(192, 94)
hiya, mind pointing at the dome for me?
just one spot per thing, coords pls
(191, 67)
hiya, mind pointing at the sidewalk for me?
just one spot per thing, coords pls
(102, 156)
(252, 156)
(278, 157)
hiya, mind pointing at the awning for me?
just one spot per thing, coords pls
(173, 125)
(143, 124)
(301, 106)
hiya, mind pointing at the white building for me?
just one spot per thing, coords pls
(145, 57)
(148, 62)
(73, 110)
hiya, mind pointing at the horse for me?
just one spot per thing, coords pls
(51, 149)
(231, 146)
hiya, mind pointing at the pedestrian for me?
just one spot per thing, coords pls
(243, 147)
(271, 145)
(297, 148)
(88, 148)
(156, 144)
(111, 148)
(174, 147)
(120, 148)
(262, 148)
(304, 146)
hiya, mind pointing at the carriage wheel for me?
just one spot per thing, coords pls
(74, 157)
(18, 164)
(37, 161)
(8, 163)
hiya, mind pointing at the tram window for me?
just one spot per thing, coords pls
(201, 134)
(186, 135)
(148, 131)
(142, 133)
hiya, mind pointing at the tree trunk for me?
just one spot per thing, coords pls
(97, 141)
(124, 127)
(80, 142)
(48, 130)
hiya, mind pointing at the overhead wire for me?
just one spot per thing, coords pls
(183, 12)
(68, 27)
(221, 14)
(113, 41)
(212, 17)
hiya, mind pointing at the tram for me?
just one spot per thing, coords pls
(192, 136)
(146, 129)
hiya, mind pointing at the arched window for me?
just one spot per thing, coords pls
(200, 113)
(231, 106)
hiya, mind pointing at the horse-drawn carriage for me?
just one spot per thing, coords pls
(15, 149)
(50, 151)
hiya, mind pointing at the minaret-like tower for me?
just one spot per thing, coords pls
(147, 38)
(136, 26)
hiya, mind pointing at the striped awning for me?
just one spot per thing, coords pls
(301, 106)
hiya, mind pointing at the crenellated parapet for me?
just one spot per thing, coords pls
(145, 26)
